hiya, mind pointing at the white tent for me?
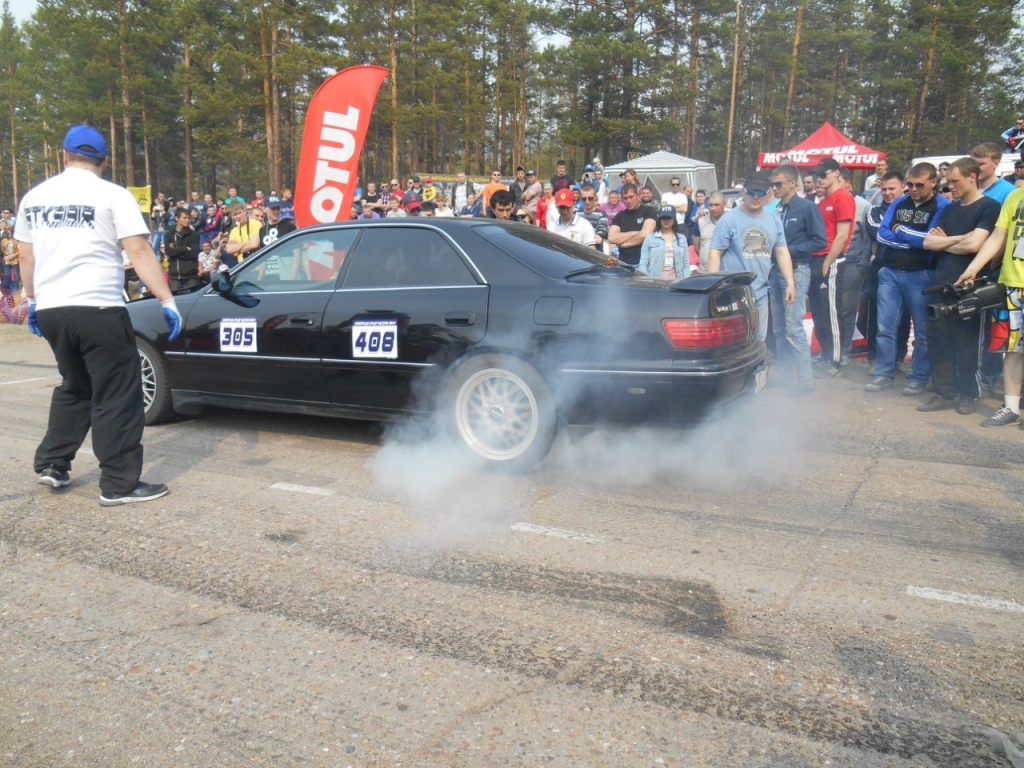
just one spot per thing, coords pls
(657, 168)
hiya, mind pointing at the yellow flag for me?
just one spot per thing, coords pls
(143, 197)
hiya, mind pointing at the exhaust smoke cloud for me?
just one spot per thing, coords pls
(745, 445)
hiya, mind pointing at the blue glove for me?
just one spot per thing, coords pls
(33, 321)
(172, 317)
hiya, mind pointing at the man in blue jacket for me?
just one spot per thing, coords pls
(805, 234)
(906, 271)
(1013, 135)
(889, 192)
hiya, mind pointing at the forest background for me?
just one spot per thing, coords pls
(201, 96)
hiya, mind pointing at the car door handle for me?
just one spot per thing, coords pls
(460, 318)
(300, 320)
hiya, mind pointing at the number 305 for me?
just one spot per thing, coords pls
(237, 337)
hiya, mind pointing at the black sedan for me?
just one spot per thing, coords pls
(503, 331)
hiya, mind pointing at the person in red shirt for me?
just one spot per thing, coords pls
(838, 210)
(546, 203)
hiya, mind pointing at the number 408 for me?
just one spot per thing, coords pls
(375, 341)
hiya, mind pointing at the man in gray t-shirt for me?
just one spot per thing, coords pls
(533, 192)
(746, 239)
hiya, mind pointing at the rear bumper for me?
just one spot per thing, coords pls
(683, 395)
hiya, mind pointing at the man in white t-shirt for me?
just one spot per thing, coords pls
(678, 200)
(71, 229)
(570, 224)
(872, 182)
(600, 184)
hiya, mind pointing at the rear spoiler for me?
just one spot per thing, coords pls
(709, 283)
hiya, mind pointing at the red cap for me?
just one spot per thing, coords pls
(564, 198)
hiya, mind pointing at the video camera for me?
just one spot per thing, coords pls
(966, 300)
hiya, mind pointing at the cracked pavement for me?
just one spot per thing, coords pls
(743, 603)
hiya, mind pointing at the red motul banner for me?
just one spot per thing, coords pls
(827, 141)
(332, 141)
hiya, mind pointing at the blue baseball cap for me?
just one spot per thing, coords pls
(273, 202)
(85, 140)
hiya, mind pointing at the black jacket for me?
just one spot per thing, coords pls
(804, 228)
(182, 249)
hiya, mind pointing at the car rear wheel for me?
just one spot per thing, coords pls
(502, 411)
(156, 389)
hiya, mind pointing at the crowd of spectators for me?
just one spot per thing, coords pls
(859, 259)
(198, 236)
(593, 201)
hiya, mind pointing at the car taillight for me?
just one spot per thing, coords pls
(707, 332)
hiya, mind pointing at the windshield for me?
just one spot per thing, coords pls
(547, 254)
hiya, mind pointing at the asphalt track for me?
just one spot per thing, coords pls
(831, 580)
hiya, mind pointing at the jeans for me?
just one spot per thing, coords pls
(762, 317)
(896, 290)
(10, 279)
(867, 320)
(158, 238)
(791, 347)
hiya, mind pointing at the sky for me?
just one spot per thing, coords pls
(22, 9)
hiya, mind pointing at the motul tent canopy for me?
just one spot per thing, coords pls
(827, 141)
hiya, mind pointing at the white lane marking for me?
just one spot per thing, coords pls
(561, 533)
(964, 598)
(26, 381)
(303, 489)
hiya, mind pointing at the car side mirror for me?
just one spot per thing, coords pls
(222, 282)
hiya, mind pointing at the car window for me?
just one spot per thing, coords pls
(298, 263)
(543, 252)
(405, 257)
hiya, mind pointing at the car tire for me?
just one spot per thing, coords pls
(502, 411)
(156, 387)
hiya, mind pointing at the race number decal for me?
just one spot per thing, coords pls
(375, 339)
(238, 334)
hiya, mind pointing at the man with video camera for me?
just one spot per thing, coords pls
(954, 341)
(1007, 242)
